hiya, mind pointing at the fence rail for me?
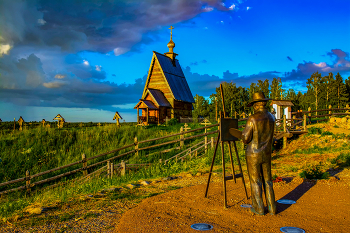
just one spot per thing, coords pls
(84, 160)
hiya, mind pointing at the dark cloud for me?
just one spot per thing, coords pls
(196, 63)
(290, 59)
(24, 83)
(204, 84)
(341, 63)
(100, 26)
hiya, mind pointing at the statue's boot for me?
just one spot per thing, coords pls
(270, 196)
(257, 201)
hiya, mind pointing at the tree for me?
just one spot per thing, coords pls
(347, 85)
(328, 89)
(264, 87)
(276, 89)
(313, 86)
(201, 106)
(342, 95)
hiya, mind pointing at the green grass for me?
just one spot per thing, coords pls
(42, 149)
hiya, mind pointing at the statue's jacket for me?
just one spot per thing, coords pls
(258, 134)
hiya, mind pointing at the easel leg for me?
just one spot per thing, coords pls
(233, 169)
(240, 169)
(223, 173)
(212, 164)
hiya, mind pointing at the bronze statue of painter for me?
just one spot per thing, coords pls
(258, 134)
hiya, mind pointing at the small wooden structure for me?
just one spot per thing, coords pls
(60, 122)
(117, 117)
(20, 122)
(166, 92)
(282, 106)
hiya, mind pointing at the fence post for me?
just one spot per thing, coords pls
(309, 109)
(304, 122)
(181, 137)
(212, 142)
(190, 153)
(176, 157)
(330, 112)
(294, 122)
(285, 131)
(206, 141)
(136, 146)
(123, 165)
(160, 161)
(83, 157)
(28, 181)
(109, 169)
(219, 121)
(112, 170)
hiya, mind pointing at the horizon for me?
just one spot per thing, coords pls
(86, 61)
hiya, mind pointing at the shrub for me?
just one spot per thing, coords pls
(173, 121)
(326, 133)
(314, 172)
(342, 159)
(314, 130)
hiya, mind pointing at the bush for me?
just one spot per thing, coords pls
(173, 121)
(314, 130)
(326, 133)
(314, 172)
(342, 159)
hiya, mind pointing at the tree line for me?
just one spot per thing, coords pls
(321, 92)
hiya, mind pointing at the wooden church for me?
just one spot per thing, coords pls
(166, 92)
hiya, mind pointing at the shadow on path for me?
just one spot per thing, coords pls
(294, 195)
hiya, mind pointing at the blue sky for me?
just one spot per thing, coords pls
(87, 60)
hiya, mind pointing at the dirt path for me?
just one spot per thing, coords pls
(321, 206)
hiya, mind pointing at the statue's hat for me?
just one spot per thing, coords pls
(257, 97)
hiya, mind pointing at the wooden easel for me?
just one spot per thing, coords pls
(233, 176)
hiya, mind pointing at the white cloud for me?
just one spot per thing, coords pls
(119, 51)
(222, 22)
(98, 68)
(248, 8)
(41, 21)
(86, 62)
(321, 64)
(53, 84)
(125, 106)
(232, 7)
(207, 9)
(60, 76)
(4, 48)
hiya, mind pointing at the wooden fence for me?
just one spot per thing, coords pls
(110, 168)
(136, 148)
(331, 112)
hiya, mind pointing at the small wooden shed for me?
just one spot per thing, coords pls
(60, 120)
(282, 107)
(116, 117)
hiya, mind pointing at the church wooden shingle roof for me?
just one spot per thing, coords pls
(159, 97)
(175, 78)
(148, 103)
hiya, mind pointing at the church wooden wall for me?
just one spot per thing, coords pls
(157, 81)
